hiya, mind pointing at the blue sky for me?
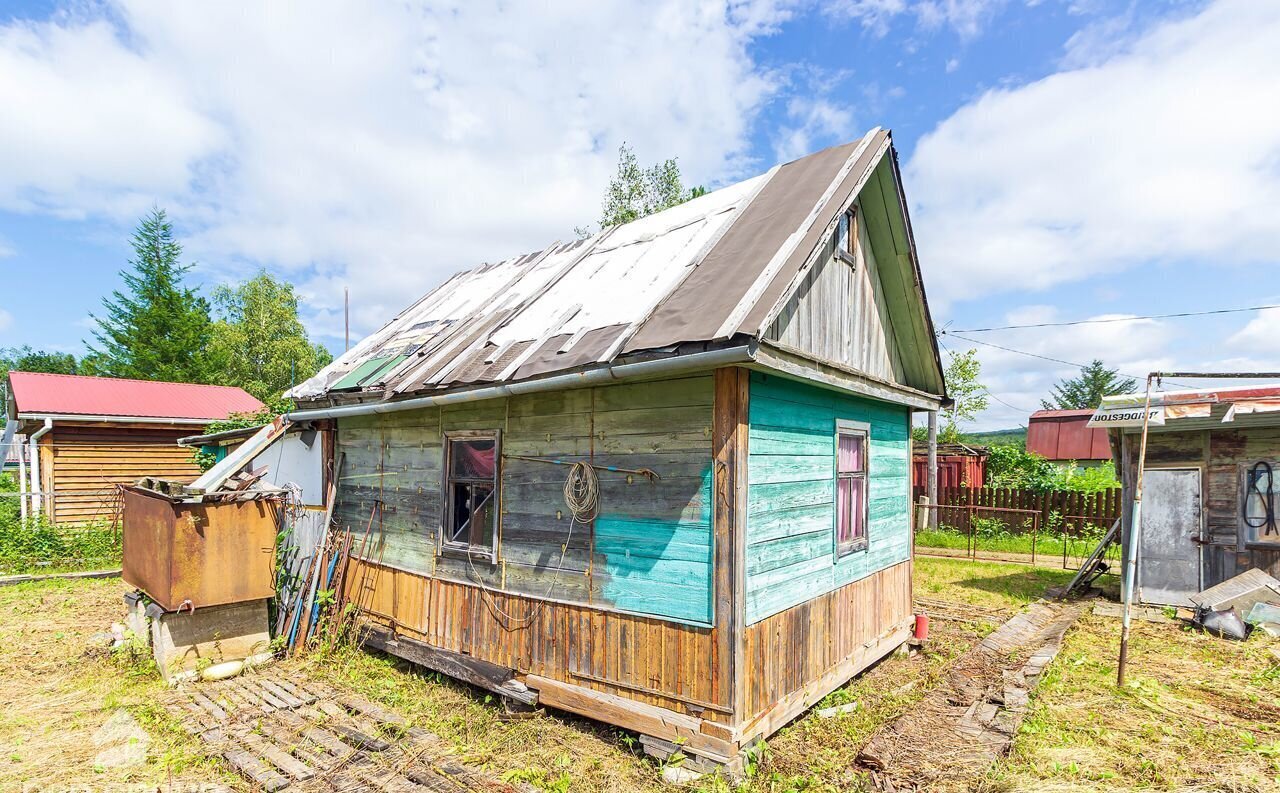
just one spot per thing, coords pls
(1063, 160)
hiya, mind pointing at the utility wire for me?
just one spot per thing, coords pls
(1112, 319)
(988, 390)
(1054, 360)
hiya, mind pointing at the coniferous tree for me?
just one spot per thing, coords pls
(259, 343)
(157, 328)
(1087, 390)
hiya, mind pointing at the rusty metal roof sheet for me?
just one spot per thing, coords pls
(700, 271)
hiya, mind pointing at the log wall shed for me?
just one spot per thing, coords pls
(1208, 498)
(86, 435)
(739, 372)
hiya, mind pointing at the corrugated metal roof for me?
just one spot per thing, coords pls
(1061, 414)
(1066, 435)
(65, 394)
(696, 272)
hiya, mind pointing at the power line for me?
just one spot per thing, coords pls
(1054, 360)
(1112, 319)
(988, 390)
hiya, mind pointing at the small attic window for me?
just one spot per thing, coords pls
(847, 236)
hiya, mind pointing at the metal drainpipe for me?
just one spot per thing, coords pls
(33, 442)
(22, 478)
(700, 360)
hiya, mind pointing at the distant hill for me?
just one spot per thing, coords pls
(1016, 436)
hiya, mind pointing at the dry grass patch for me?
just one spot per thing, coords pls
(1199, 713)
(56, 694)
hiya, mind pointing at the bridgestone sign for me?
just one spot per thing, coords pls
(1126, 415)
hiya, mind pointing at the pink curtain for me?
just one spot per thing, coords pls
(849, 459)
(474, 459)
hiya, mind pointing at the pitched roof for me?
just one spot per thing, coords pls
(1050, 415)
(78, 395)
(699, 273)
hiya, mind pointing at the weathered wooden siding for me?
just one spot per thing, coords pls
(794, 648)
(650, 549)
(657, 662)
(790, 555)
(1223, 455)
(82, 464)
(839, 314)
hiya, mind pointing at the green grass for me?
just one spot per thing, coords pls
(1197, 713)
(1047, 546)
(985, 584)
(1201, 714)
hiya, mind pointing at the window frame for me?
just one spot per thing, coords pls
(447, 481)
(858, 544)
(847, 254)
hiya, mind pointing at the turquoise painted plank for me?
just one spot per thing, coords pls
(766, 556)
(763, 499)
(776, 413)
(646, 596)
(794, 577)
(788, 522)
(788, 468)
(788, 564)
(766, 440)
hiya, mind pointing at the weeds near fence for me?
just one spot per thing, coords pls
(37, 545)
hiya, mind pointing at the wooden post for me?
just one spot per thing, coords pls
(931, 476)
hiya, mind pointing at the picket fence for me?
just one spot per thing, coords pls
(1100, 509)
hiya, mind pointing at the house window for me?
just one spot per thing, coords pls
(471, 487)
(847, 236)
(851, 488)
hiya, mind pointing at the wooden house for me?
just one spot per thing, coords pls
(739, 371)
(957, 465)
(86, 435)
(1208, 505)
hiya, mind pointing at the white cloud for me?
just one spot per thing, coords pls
(1256, 341)
(380, 146)
(6, 319)
(967, 18)
(1034, 360)
(812, 119)
(1166, 150)
(952, 65)
(6, 249)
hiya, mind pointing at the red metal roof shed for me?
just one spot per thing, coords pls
(77, 395)
(1065, 435)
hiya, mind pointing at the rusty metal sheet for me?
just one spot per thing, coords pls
(205, 553)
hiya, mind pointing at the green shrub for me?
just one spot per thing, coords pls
(37, 545)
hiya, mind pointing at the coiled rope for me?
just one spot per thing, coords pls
(582, 498)
(1266, 499)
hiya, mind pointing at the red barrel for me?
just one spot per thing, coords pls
(922, 626)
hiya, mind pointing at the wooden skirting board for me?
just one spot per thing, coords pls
(706, 739)
(797, 702)
(475, 671)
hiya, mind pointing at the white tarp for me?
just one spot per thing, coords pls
(1125, 410)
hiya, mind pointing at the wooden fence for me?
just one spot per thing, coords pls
(1101, 508)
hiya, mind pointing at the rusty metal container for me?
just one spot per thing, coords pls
(206, 553)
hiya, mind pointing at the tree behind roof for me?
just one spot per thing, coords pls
(969, 396)
(258, 341)
(636, 192)
(157, 328)
(25, 359)
(1086, 391)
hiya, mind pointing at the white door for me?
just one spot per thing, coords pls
(1169, 558)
